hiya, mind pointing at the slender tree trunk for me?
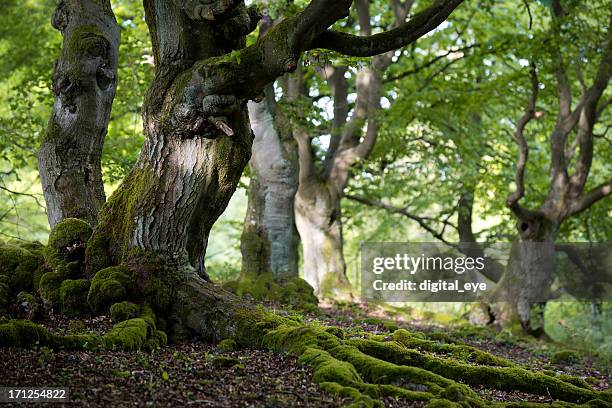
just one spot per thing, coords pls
(84, 83)
(269, 238)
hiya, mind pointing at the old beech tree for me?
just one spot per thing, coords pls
(197, 131)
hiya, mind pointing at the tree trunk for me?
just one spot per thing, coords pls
(317, 217)
(84, 83)
(528, 275)
(197, 142)
(269, 238)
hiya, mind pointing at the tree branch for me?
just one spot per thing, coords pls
(589, 116)
(305, 156)
(513, 199)
(422, 221)
(367, 46)
(588, 199)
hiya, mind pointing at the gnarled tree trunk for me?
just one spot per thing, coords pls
(84, 82)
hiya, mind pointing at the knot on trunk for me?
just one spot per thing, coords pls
(210, 120)
(60, 17)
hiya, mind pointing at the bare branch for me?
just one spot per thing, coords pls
(422, 221)
(588, 199)
(589, 116)
(513, 198)
(432, 61)
(367, 46)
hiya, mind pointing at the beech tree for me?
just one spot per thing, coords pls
(571, 157)
(269, 241)
(84, 83)
(570, 54)
(198, 140)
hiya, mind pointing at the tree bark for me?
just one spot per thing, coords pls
(84, 83)
(528, 274)
(197, 143)
(317, 217)
(269, 241)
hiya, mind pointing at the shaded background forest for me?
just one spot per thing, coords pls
(449, 109)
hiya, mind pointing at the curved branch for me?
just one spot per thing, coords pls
(422, 221)
(513, 199)
(367, 46)
(305, 157)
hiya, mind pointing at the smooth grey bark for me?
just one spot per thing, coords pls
(84, 83)
(318, 200)
(269, 241)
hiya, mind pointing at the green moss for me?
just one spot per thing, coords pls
(442, 403)
(501, 378)
(67, 242)
(358, 399)
(109, 244)
(224, 361)
(73, 297)
(124, 311)
(49, 288)
(457, 351)
(20, 266)
(77, 327)
(227, 345)
(565, 357)
(296, 339)
(328, 368)
(9, 336)
(128, 335)
(5, 293)
(27, 305)
(285, 289)
(109, 286)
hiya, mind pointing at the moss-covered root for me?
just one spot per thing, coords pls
(375, 368)
(133, 334)
(501, 378)
(456, 351)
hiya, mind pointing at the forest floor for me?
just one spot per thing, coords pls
(201, 374)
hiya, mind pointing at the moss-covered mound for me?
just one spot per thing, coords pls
(109, 286)
(123, 311)
(22, 267)
(288, 290)
(73, 297)
(133, 334)
(67, 242)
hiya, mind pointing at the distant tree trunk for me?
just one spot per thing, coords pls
(269, 241)
(84, 83)
(528, 273)
(317, 216)
(318, 200)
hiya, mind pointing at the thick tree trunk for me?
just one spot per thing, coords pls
(317, 217)
(197, 142)
(84, 82)
(528, 275)
(269, 238)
